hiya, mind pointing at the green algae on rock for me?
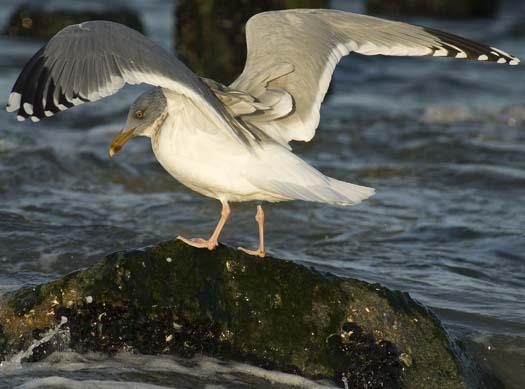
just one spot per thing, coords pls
(273, 313)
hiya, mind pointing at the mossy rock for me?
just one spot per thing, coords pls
(41, 20)
(175, 299)
(435, 8)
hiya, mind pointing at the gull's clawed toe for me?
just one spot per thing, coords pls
(199, 243)
(256, 253)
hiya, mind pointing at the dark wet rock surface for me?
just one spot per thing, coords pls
(174, 299)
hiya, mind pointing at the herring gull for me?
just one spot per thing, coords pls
(230, 143)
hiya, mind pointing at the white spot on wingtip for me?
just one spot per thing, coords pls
(34, 119)
(20, 118)
(14, 102)
(515, 61)
(48, 113)
(440, 53)
(28, 108)
(502, 60)
(61, 107)
(461, 54)
(483, 57)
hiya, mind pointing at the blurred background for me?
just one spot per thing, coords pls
(442, 141)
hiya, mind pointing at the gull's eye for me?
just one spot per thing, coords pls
(139, 114)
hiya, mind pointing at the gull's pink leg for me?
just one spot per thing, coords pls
(259, 217)
(213, 242)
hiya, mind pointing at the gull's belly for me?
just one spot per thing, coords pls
(209, 164)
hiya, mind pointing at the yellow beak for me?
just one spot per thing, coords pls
(117, 143)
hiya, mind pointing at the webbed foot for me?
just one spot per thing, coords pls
(256, 253)
(200, 243)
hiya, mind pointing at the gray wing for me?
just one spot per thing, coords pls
(89, 61)
(312, 42)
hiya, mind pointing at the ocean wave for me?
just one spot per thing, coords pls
(131, 370)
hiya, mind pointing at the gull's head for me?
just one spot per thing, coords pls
(145, 117)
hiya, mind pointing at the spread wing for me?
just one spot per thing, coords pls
(311, 43)
(89, 61)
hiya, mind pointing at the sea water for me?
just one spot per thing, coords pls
(442, 141)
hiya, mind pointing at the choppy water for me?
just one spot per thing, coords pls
(442, 141)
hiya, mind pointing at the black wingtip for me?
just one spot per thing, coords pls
(459, 47)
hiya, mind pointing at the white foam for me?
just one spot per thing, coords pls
(61, 382)
(16, 361)
(272, 376)
(210, 367)
(205, 370)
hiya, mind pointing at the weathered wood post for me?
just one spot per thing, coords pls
(210, 33)
(436, 8)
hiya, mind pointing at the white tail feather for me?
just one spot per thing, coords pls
(332, 191)
(353, 194)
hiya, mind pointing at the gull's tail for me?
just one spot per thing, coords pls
(349, 194)
(287, 177)
(320, 189)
